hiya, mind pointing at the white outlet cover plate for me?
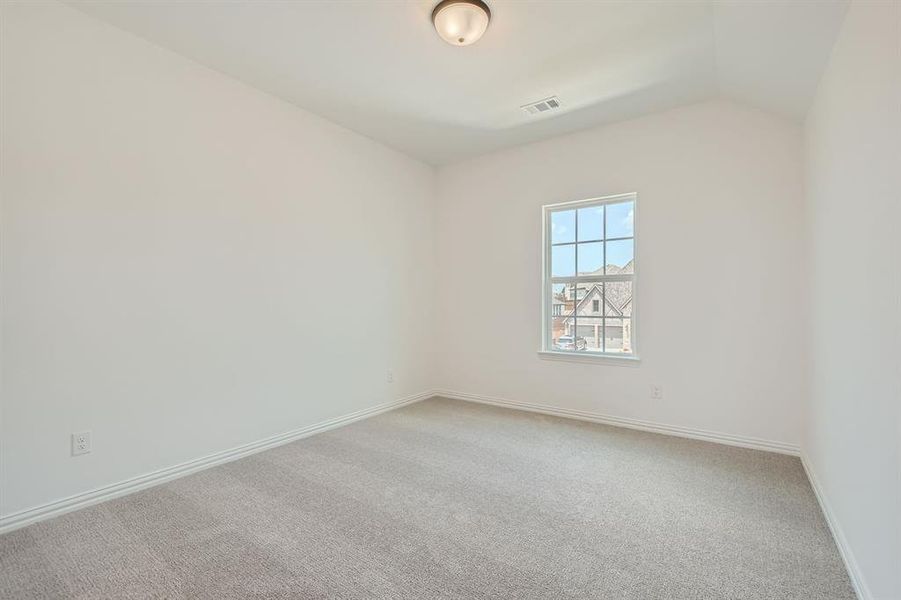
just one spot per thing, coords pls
(81, 443)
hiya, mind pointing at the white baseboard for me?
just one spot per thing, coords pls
(582, 415)
(841, 542)
(59, 507)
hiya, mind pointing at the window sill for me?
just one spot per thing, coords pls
(598, 359)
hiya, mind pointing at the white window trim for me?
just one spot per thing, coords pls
(545, 351)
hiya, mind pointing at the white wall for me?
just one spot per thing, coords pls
(719, 221)
(187, 264)
(853, 140)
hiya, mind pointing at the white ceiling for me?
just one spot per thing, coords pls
(379, 68)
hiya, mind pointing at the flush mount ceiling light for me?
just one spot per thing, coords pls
(461, 22)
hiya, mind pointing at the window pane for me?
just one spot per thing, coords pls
(590, 333)
(591, 258)
(620, 219)
(562, 298)
(591, 223)
(563, 261)
(581, 290)
(560, 332)
(560, 318)
(618, 299)
(619, 257)
(618, 336)
(563, 226)
(589, 295)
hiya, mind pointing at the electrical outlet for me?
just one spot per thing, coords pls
(656, 391)
(81, 443)
(389, 376)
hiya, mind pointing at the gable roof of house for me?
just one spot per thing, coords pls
(617, 299)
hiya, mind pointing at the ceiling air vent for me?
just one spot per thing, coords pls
(542, 106)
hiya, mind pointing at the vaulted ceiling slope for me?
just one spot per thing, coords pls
(379, 68)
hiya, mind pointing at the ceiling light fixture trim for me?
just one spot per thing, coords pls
(461, 22)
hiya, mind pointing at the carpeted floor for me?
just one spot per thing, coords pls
(446, 499)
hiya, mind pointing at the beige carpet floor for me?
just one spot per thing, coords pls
(446, 499)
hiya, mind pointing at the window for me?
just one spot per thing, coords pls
(589, 277)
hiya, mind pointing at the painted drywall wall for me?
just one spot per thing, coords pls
(721, 271)
(853, 425)
(187, 264)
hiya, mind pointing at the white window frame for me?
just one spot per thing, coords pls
(546, 350)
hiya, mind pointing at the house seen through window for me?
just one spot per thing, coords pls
(589, 277)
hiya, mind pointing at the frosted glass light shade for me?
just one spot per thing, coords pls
(461, 22)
